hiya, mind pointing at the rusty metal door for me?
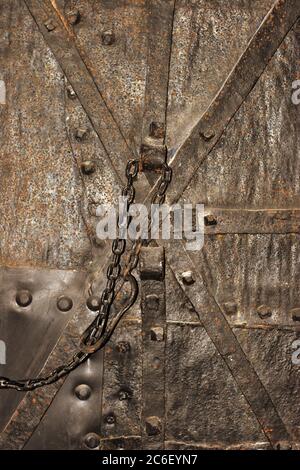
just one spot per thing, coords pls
(205, 359)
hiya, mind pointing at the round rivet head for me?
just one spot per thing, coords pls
(83, 392)
(81, 134)
(92, 440)
(108, 38)
(124, 395)
(187, 278)
(88, 167)
(110, 419)
(64, 303)
(50, 26)
(23, 298)
(71, 93)
(93, 303)
(264, 311)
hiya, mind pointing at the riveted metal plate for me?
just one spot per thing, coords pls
(31, 332)
(73, 420)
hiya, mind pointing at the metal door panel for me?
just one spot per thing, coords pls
(97, 73)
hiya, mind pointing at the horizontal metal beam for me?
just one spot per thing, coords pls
(243, 221)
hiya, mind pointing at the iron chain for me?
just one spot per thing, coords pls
(100, 330)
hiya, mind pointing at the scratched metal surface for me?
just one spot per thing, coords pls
(47, 206)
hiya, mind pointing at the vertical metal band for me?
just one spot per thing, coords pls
(152, 267)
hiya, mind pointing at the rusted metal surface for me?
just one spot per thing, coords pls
(210, 127)
(231, 324)
(225, 221)
(204, 52)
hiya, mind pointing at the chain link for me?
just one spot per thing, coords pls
(100, 330)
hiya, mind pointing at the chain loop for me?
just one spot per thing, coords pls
(100, 330)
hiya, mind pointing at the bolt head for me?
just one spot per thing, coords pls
(230, 308)
(152, 301)
(91, 440)
(73, 17)
(93, 303)
(23, 298)
(88, 167)
(264, 311)
(157, 130)
(108, 38)
(187, 278)
(153, 426)
(295, 314)
(210, 220)
(81, 133)
(83, 392)
(64, 303)
(123, 347)
(157, 333)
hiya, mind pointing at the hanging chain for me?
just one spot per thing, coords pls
(100, 330)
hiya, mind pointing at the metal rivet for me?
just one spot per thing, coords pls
(93, 303)
(210, 220)
(124, 395)
(230, 308)
(123, 347)
(50, 25)
(157, 333)
(73, 17)
(207, 135)
(23, 298)
(92, 440)
(108, 38)
(83, 392)
(157, 130)
(71, 93)
(187, 278)
(88, 167)
(152, 301)
(81, 133)
(156, 363)
(263, 311)
(153, 426)
(64, 304)
(110, 419)
(295, 314)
